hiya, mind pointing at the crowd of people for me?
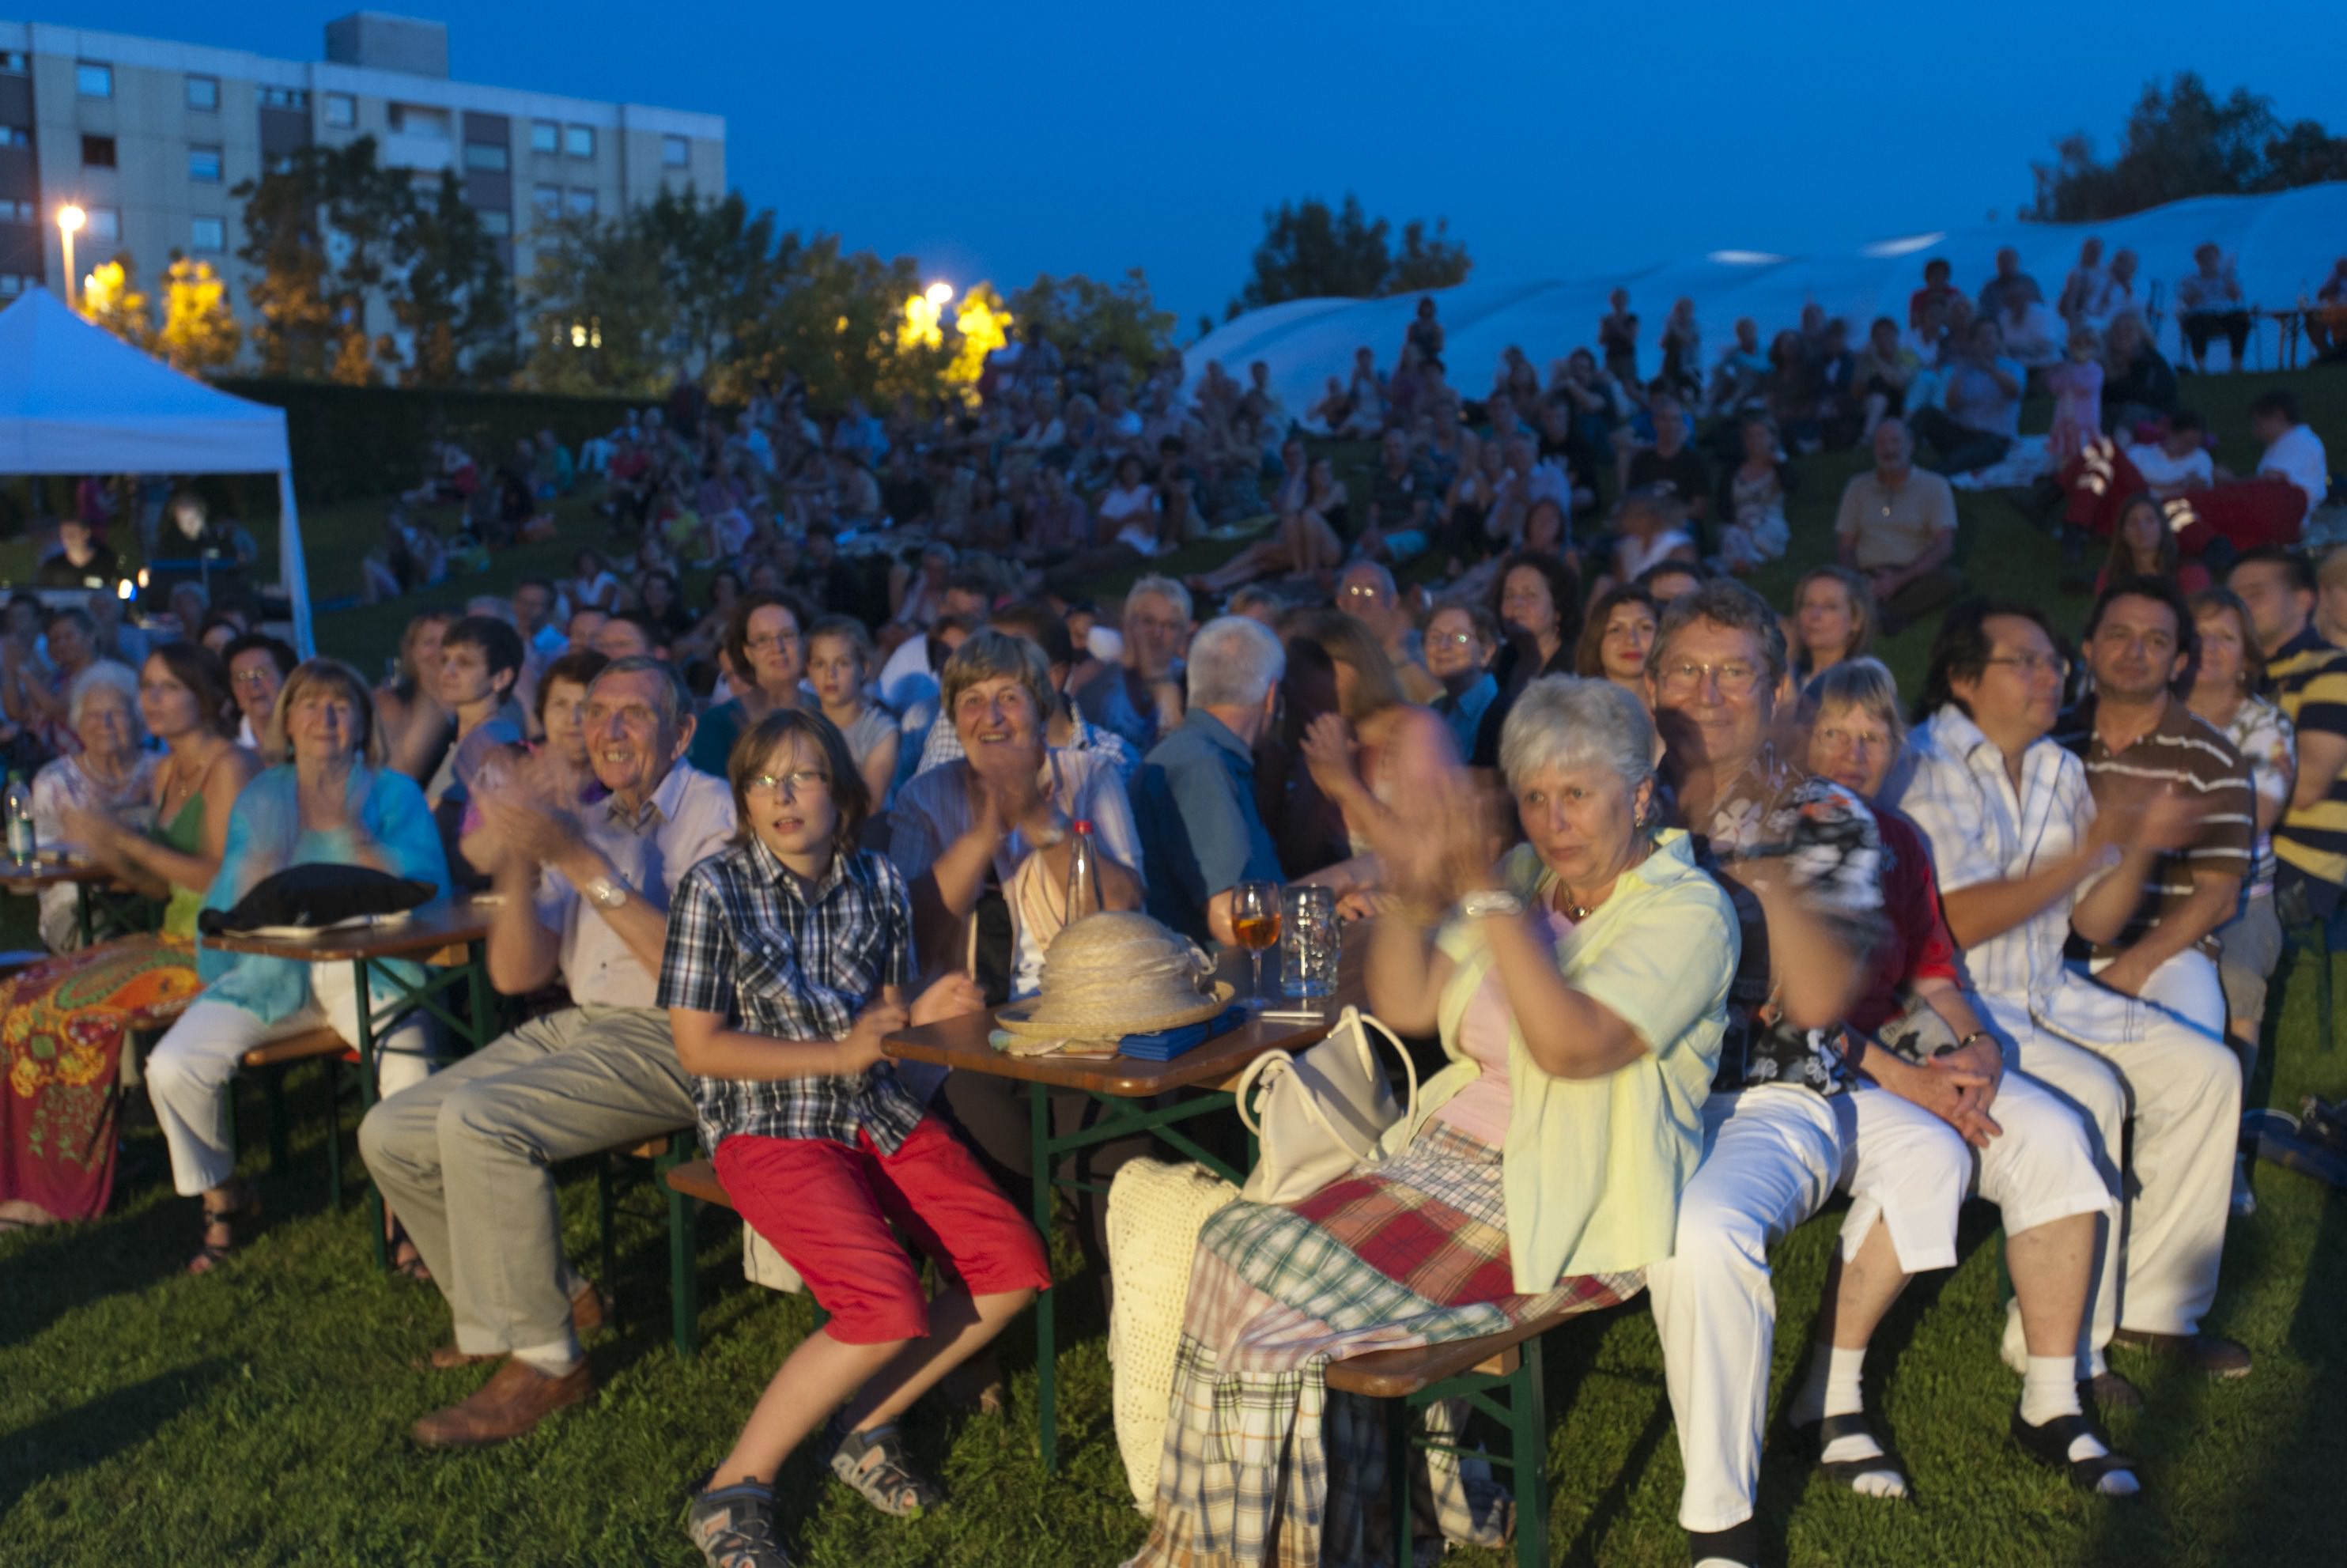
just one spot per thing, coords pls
(1707, 920)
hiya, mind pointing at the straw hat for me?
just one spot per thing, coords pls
(1116, 974)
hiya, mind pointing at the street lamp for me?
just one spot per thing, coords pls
(940, 293)
(70, 219)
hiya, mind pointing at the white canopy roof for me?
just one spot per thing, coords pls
(75, 399)
(2281, 246)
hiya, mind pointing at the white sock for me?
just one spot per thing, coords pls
(1837, 1387)
(2049, 1390)
(555, 1361)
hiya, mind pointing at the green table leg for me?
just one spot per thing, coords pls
(477, 995)
(82, 909)
(1047, 1390)
(683, 1281)
(1528, 1421)
(365, 1011)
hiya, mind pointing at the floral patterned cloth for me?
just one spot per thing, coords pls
(62, 1025)
(2265, 738)
(1833, 850)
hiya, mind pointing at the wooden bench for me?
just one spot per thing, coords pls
(273, 1060)
(1473, 1370)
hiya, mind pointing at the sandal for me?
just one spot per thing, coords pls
(246, 1210)
(874, 1463)
(405, 1261)
(2049, 1445)
(1830, 1429)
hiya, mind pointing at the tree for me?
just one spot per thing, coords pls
(599, 313)
(2182, 142)
(334, 230)
(1311, 253)
(112, 299)
(846, 322)
(1097, 320)
(199, 331)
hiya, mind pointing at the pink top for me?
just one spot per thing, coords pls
(2077, 389)
(1481, 1110)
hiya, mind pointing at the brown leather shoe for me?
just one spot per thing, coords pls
(2201, 1352)
(586, 1318)
(506, 1405)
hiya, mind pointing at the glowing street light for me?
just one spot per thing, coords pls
(69, 221)
(940, 293)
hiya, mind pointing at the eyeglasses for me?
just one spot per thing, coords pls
(772, 639)
(1364, 590)
(1450, 638)
(255, 679)
(1735, 678)
(2032, 665)
(798, 782)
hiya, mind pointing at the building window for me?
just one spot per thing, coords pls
(13, 283)
(105, 223)
(94, 81)
(13, 63)
(204, 164)
(416, 119)
(14, 135)
(495, 221)
(548, 199)
(579, 203)
(208, 236)
(299, 99)
(203, 94)
(98, 152)
(676, 152)
(342, 110)
(579, 140)
(487, 155)
(545, 136)
(18, 212)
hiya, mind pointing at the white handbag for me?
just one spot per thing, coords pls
(1322, 1112)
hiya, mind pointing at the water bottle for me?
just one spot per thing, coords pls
(22, 843)
(1083, 885)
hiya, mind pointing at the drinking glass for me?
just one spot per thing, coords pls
(1254, 921)
(1310, 942)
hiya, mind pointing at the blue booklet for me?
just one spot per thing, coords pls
(1165, 1044)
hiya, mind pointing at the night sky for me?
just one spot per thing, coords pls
(1560, 140)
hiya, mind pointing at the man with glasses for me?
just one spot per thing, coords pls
(2027, 857)
(1141, 698)
(1368, 594)
(465, 1157)
(257, 667)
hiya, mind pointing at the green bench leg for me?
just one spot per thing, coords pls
(1400, 1413)
(334, 1146)
(1528, 1440)
(1047, 1385)
(683, 1287)
(607, 1205)
(280, 1133)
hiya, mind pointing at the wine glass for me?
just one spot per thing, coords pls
(1254, 921)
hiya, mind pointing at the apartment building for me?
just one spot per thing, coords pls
(150, 137)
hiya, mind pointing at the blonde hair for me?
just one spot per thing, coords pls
(335, 674)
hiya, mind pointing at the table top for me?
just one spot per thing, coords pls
(427, 929)
(961, 1042)
(46, 873)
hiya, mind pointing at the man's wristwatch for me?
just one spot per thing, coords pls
(1489, 901)
(607, 894)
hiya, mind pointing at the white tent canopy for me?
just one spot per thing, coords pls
(2281, 246)
(75, 399)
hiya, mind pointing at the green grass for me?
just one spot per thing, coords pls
(258, 1415)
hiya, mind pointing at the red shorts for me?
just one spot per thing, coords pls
(826, 1208)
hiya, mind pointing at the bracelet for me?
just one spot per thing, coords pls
(1966, 1043)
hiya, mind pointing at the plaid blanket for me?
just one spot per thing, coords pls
(1262, 1468)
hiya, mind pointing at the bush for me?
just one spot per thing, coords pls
(351, 443)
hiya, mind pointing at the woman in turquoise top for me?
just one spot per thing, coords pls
(329, 800)
(1580, 990)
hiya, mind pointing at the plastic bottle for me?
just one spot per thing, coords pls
(1083, 885)
(22, 842)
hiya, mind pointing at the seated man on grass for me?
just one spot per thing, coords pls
(1897, 526)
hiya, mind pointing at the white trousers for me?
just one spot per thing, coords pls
(188, 1072)
(2176, 1113)
(1770, 1157)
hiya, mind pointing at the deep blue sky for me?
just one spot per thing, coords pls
(1560, 140)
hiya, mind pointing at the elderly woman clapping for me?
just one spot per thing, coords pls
(1579, 988)
(329, 800)
(110, 776)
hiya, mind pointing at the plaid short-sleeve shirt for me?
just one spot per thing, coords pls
(747, 942)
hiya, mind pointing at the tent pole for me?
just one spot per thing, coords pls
(292, 571)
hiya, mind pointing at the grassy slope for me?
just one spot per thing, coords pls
(257, 1415)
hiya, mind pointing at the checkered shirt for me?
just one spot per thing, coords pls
(747, 942)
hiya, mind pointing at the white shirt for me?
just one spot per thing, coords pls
(1982, 830)
(2297, 455)
(690, 818)
(932, 811)
(2168, 475)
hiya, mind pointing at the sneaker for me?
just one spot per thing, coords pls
(734, 1527)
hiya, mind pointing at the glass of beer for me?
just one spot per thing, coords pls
(1254, 921)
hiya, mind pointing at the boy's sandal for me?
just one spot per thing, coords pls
(213, 1254)
(874, 1463)
(2049, 1445)
(1831, 1430)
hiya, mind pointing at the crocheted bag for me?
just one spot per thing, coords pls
(1155, 1212)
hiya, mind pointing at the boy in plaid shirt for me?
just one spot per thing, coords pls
(787, 957)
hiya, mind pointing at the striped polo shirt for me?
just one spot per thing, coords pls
(2307, 678)
(2185, 753)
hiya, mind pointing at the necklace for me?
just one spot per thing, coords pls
(1576, 910)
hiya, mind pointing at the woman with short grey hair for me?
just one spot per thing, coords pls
(111, 776)
(1579, 989)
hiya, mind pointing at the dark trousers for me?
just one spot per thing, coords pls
(1922, 596)
(1961, 448)
(2200, 326)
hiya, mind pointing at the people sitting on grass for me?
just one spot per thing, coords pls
(1833, 618)
(463, 1157)
(1897, 527)
(2210, 302)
